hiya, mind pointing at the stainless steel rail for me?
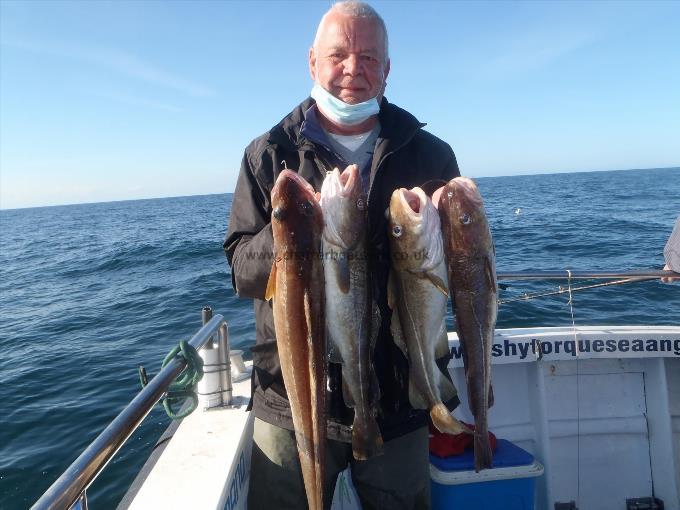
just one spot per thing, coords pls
(82, 472)
(565, 275)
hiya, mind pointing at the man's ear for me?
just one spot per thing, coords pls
(312, 63)
(385, 73)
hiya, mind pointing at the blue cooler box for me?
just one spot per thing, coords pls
(508, 486)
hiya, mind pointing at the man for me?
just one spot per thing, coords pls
(347, 120)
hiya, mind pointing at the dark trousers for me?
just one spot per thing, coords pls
(397, 480)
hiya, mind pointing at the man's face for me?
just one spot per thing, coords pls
(349, 59)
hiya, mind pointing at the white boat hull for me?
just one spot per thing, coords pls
(605, 423)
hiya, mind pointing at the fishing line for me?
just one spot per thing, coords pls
(562, 290)
(578, 407)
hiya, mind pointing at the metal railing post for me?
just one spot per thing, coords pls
(206, 315)
(225, 361)
(81, 473)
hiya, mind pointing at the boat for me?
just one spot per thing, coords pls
(598, 407)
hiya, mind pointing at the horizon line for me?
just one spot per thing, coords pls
(232, 191)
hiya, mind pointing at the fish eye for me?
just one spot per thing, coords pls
(465, 219)
(307, 208)
(278, 213)
(361, 205)
(396, 231)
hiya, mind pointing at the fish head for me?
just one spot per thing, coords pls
(343, 202)
(414, 230)
(461, 209)
(296, 214)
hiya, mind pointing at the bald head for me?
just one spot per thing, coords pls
(358, 10)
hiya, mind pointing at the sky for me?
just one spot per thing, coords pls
(103, 101)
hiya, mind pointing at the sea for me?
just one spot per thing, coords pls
(90, 292)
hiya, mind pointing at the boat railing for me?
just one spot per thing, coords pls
(69, 490)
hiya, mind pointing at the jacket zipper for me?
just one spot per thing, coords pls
(322, 166)
(315, 149)
(377, 168)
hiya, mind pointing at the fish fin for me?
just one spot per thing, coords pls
(490, 396)
(317, 391)
(341, 270)
(367, 440)
(441, 348)
(334, 354)
(490, 271)
(446, 388)
(374, 389)
(347, 394)
(444, 421)
(374, 392)
(391, 291)
(395, 324)
(376, 321)
(437, 282)
(271, 284)
(415, 397)
(398, 333)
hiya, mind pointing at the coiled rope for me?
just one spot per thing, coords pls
(185, 383)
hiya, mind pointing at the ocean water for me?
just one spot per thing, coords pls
(89, 292)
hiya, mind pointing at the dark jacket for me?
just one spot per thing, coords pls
(405, 156)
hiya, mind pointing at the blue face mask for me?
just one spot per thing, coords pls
(340, 112)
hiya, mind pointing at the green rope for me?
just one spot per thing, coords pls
(184, 384)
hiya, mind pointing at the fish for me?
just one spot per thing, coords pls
(296, 285)
(417, 293)
(471, 265)
(352, 320)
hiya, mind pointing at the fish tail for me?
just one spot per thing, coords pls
(367, 440)
(445, 421)
(483, 454)
(318, 488)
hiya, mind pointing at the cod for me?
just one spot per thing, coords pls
(471, 265)
(296, 285)
(417, 294)
(351, 319)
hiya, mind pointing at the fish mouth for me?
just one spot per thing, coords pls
(348, 178)
(289, 178)
(338, 184)
(412, 199)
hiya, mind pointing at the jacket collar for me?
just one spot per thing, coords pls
(397, 127)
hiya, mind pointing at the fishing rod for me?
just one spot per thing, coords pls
(616, 278)
(569, 290)
(566, 274)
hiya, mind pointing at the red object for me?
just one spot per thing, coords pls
(445, 445)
